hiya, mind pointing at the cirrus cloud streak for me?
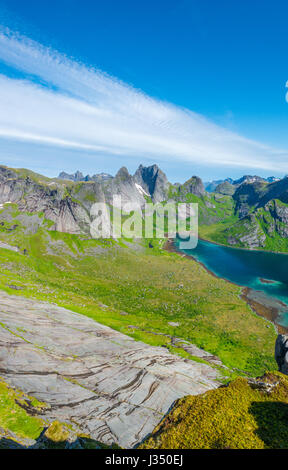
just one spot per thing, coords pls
(63, 103)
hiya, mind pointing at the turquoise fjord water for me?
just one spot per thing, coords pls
(259, 270)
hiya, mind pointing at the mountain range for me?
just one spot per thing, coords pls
(249, 212)
(98, 329)
(211, 186)
(78, 176)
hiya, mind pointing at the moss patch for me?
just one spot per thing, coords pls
(13, 414)
(238, 416)
(57, 432)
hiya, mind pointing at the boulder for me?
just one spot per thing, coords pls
(281, 353)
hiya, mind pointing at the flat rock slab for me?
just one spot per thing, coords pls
(107, 384)
(8, 247)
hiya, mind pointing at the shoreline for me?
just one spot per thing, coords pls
(268, 312)
(258, 250)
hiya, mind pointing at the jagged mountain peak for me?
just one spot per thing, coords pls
(195, 186)
(122, 173)
(249, 179)
(147, 172)
(78, 176)
(153, 181)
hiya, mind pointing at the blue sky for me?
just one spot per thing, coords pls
(195, 86)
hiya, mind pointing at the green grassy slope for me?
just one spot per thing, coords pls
(139, 290)
(14, 417)
(261, 223)
(239, 416)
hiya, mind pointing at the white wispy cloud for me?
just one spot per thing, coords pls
(66, 104)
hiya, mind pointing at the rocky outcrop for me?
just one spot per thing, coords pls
(262, 209)
(256, 195)
(111, 387)
(247, 233)
(281, 353)
(123, 185)
(248, 195)
(153, 181)
(51, 199)
(278, 220)
(252, 230)
(9, 247)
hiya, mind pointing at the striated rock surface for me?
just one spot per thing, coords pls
(110, 386)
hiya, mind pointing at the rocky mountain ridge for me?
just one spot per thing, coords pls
(211, 186)
(78, 176)
(262, 213)
(260, 207)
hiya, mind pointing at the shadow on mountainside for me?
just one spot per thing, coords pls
(272, 421)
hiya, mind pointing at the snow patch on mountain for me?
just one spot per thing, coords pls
(141, 190)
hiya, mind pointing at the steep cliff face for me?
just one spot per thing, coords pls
(52, 199)
(248, 196)
(247, 233)
(68, 203)
(262, 212)
(260, 227)
(255, 195)
(275, 218)
(153, 181)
